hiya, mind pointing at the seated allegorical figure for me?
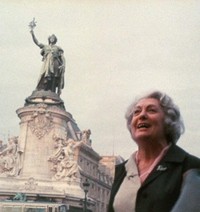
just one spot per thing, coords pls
(10, 164)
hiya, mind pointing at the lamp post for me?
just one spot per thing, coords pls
(86, 185)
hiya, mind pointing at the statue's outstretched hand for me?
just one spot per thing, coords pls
(32, 24)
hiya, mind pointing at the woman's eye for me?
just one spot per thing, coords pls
(152, 110)
(136, 112)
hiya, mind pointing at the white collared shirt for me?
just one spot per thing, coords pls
(126, 196)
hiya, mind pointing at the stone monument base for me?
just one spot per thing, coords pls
(45, 124)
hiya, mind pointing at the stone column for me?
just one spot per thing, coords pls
(41, 120)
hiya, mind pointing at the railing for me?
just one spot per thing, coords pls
(31, 207)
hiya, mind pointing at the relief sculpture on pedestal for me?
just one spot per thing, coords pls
(65, 166)
(41, 121)
(10, 159)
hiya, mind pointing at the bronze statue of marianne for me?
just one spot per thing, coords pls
(53, 68)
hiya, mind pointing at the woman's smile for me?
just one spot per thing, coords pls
(148, 120)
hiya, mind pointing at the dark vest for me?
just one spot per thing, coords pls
(161, 189)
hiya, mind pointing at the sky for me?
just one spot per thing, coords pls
(115, 50)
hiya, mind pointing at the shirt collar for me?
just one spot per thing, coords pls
(131, 167)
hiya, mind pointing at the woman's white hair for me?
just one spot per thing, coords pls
(173, 123)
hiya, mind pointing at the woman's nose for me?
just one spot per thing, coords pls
(143, 114)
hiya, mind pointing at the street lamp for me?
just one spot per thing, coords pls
(86, 186)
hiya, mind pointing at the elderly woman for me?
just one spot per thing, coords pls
(151, 179)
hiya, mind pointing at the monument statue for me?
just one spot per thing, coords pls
(53, 68)
(64, 164)
(10, 164)
(86, 137)
(20, 197)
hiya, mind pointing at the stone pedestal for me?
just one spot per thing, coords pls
(43, 119)
(39, 125)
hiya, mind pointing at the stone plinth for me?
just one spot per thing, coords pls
(43, 120)
(39, 124)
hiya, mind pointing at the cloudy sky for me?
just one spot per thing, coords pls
(115, 50)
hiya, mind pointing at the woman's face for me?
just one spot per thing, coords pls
(52, 39)
(148, 121)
